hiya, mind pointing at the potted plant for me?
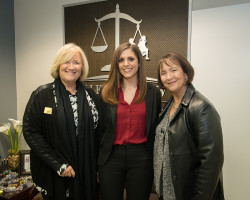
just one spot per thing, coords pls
(13, 156)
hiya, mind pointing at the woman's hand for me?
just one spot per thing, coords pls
(69, 172)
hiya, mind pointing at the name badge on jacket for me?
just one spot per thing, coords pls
(47, 110)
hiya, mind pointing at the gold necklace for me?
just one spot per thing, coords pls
(175, 105)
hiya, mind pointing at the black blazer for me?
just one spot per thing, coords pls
(108, 123)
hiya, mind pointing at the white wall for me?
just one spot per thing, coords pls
(220, 54)
(220, 48)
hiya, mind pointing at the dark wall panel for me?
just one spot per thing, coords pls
(8, 99)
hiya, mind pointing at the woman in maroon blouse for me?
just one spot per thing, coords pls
(129, 112)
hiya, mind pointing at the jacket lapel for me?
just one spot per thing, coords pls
(148, 103)
(81, 102)
(185, 100)
(113, 112)
(163, 112)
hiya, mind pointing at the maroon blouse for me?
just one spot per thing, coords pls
(130, 121)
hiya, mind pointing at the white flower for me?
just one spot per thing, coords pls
(5, 128)
(17, 124)
(18, 132)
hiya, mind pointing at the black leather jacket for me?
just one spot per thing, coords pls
(196, 148)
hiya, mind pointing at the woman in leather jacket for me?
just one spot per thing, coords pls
(188, 148)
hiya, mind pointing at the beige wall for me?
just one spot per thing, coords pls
(219, 52)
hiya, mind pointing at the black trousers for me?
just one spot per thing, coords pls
(129, 166)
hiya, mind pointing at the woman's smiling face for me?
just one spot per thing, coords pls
(173, 77)
(70, 71)
(128, 64)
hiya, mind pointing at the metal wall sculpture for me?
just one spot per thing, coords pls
(157, 27)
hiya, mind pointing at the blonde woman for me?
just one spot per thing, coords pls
(59, 125)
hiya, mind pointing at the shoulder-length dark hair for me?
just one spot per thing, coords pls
(109, 91)
(179, 59)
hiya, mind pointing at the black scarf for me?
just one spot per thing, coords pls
(80, 150)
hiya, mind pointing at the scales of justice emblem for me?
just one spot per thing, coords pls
(117, 15)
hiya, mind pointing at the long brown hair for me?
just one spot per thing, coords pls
(109, 91)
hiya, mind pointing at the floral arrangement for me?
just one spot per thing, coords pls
(5, 128)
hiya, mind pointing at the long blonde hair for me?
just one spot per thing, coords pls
(109, 91)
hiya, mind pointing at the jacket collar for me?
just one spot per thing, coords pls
(188, 95)
(185, 100)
